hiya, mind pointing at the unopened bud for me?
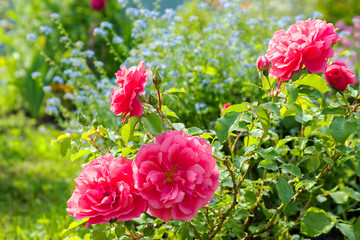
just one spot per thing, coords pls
(82, 119)
(225, 106)
(153, 101)
(96, 121)
(263, 63)
(157, 79)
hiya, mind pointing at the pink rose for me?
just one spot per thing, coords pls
(98, 5)
(124, 99)
(262, 63)
(338, 76)
(177, 175)
(105, 191)
(305, 43)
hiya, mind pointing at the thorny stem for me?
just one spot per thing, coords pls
(346, 102)
(221, 220)
(103, 138)
(271, 222)
(92, 142)
(303, 210)
(194, 230)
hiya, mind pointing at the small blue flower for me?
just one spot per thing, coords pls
(316, 15)
(68, 96)
(193, 18)
(68, 72)
(89, 53)
(300, 17)
(52, 110)
(99, 32)
(58, 79)
(117, 40)
(64, 39)
(35, 75)
(79, 44)
(31, 36)
(132, 12)
(54, 15)
(105, 25)
(99, 64)
(46, 30)
(46, 88)
(76, 52)
(89, 77)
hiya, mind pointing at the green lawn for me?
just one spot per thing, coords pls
(35, 181)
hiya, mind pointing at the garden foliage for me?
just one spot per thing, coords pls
(167, 158)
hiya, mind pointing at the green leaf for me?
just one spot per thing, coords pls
(313, 163)
(268, 164)
(226, 124)
(273, 108)
(315, 222)
(128, 129)
(153, 123)
(148, 231)
(263, 117)
(265, 83)
(340, 197)
(337, 110)
(342, 128)
(293, 169)
(268, 154)
(174, 90)
(80, 154)
(75, 224)
(285, 191)
(285, 140)
(120, 230)
(357, 229)
(292, 93)
(236, 108)
(347, 230)
(183, 233)
(313, 80)
(194, 130)
(64, 146)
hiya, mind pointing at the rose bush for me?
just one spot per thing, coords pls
(284, 166)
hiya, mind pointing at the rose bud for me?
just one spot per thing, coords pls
(263, 63)
(98, 5)
(339, 76)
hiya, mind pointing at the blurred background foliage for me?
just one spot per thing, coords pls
(35, 182)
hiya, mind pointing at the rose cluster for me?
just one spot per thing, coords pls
(306, 43)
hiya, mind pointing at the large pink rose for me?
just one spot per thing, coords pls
(339, 76)
(177, 175)
(306, 43)
(124, 99)
(105, 191)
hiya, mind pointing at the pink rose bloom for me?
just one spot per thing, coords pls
(338, 76)
(177, 175)
(105, 191)
(98, 5)
(305, 43)
(124, 99)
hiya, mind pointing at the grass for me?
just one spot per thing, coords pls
(35, 181)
